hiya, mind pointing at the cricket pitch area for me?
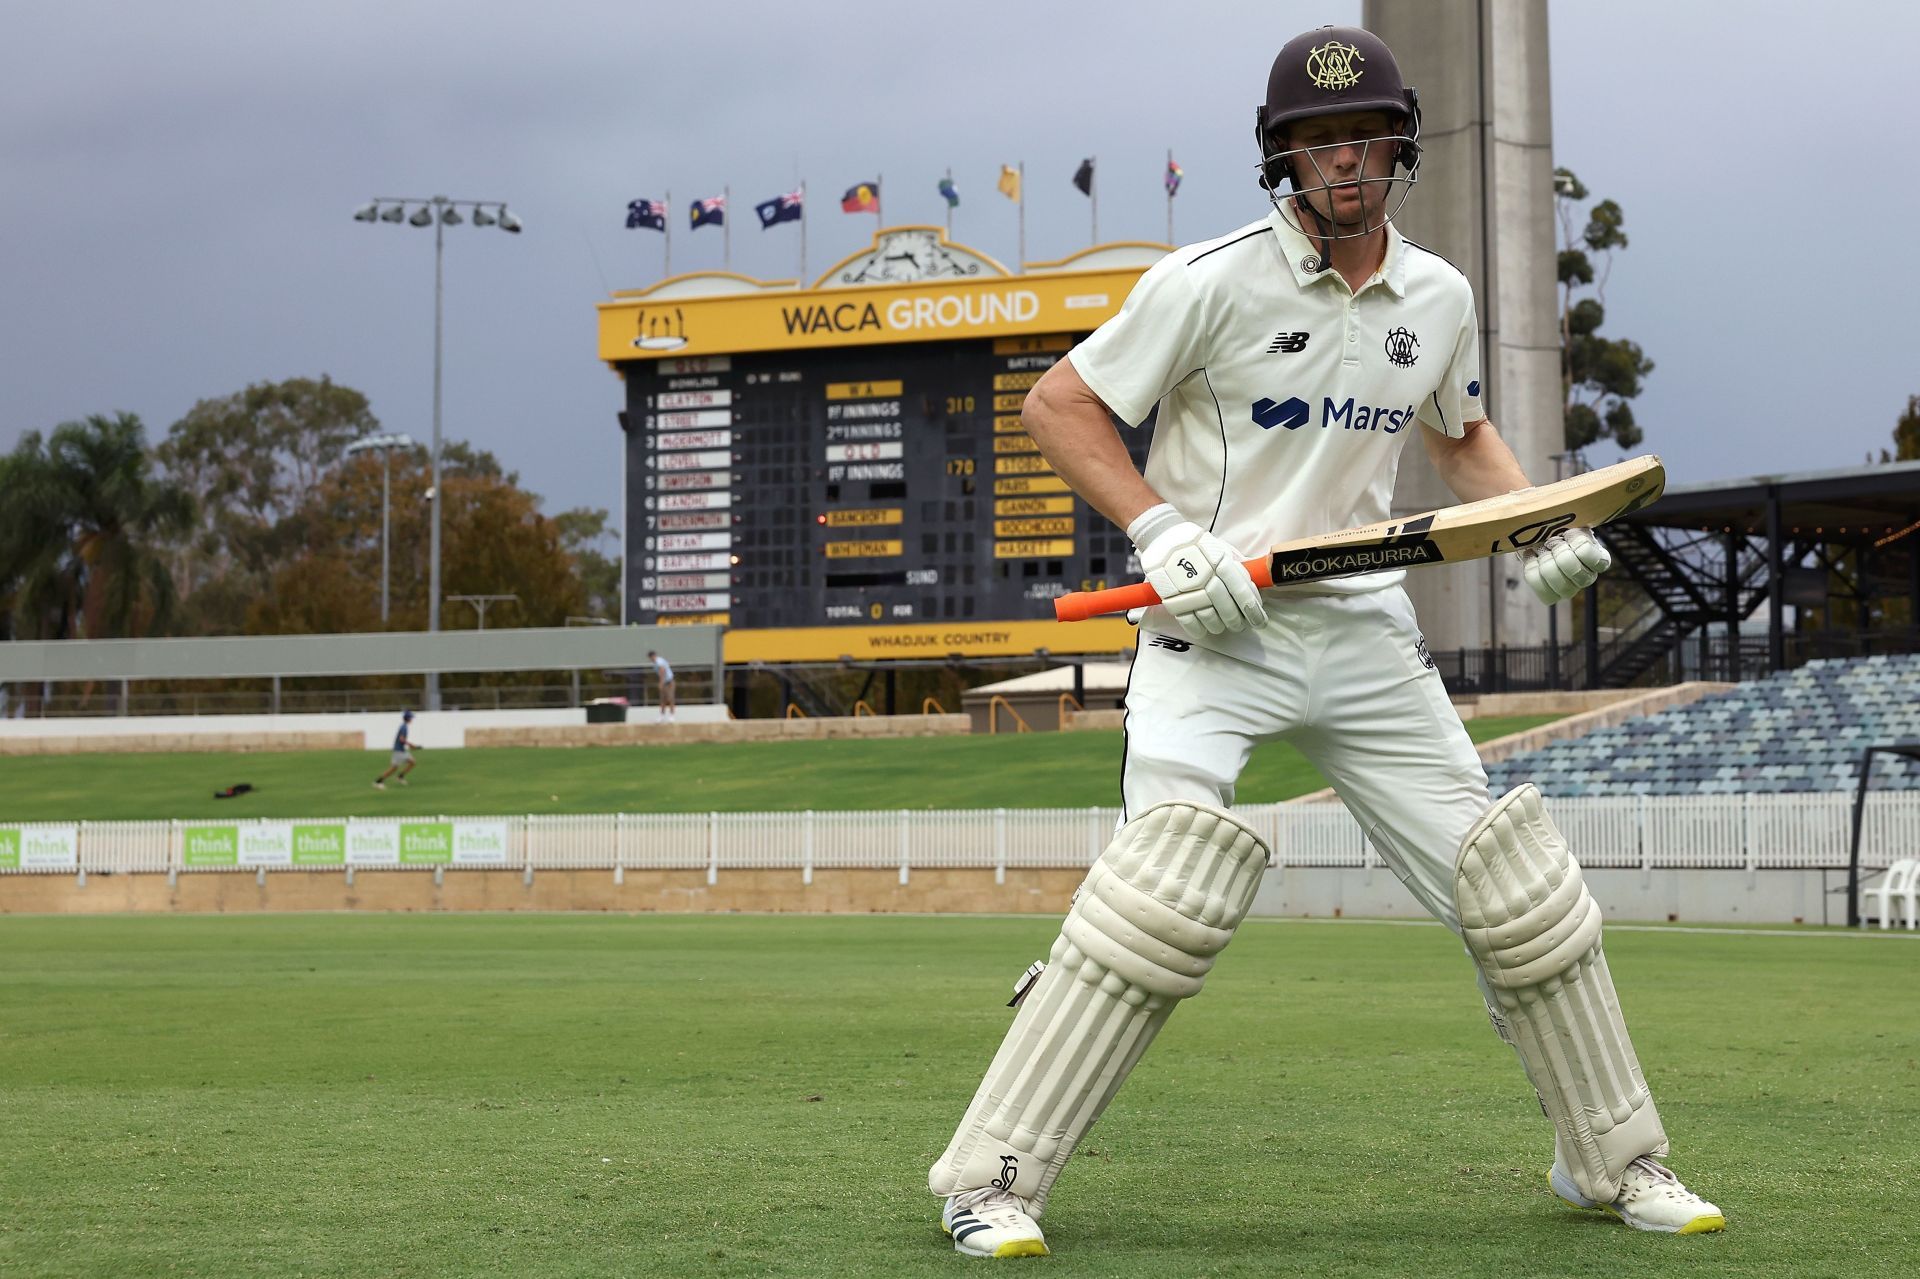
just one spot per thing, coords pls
(536, 1096)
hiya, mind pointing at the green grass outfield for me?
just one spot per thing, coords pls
(540, 1096)
(1024, 770)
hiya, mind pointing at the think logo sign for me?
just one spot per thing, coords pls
(1331, 66)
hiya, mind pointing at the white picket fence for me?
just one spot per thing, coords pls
(1752, 832)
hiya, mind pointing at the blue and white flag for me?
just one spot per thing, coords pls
(648, 214)
(782, 208)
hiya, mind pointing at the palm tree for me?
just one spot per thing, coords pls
(78, 530)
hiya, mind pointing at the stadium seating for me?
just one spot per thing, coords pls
(1800, 731)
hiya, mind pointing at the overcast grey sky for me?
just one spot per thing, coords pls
(179, 180)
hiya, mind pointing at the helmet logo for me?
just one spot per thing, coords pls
(1332, 66)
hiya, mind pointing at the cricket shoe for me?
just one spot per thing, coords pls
(1651, 1198)
(990, 1222)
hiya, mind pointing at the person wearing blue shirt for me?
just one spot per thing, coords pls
(402, 760)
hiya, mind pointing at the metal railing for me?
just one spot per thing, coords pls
(1750, 832)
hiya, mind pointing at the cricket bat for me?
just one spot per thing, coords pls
(1471, 531)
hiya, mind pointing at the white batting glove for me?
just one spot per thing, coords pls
(1563, 565)
(1199, 578)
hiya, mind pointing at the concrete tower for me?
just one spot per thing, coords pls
(1485, 202)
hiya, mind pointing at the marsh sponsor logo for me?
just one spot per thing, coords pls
(210, 846)
(40, 847)
(1347, 415)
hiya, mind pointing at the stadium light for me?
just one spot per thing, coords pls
(438, 213)
(383, 445)
(366, 213)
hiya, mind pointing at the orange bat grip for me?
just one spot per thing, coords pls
(1078, 606)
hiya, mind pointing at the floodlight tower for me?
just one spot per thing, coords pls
(439, 213)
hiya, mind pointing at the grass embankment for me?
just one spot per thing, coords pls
(1035, 770)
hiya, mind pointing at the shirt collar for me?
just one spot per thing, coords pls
(1299, 249)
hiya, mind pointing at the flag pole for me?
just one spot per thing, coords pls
(1166, 180)
(1021, 265)
(949, 203)
(666, 260)
(726, 228)
(1093, 195)
(879, 180)
(803, 235)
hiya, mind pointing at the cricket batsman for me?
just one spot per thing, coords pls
(1290, 361)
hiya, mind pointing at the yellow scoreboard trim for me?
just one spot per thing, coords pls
(931, 639)
(1044, 308)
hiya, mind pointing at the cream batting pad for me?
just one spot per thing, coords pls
(1161, 902)
(1533, 928)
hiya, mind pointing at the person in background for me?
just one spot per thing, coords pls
(402, 760)
(665, 672)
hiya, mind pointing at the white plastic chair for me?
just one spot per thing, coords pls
(1900, 882)
(1912, 895)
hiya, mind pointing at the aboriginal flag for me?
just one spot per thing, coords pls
(862, 197)
(782, 208)
(708, 212)
(648, 214)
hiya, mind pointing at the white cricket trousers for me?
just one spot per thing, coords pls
(1344, 678)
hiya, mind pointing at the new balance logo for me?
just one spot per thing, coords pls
(1284, 341)
(1169, 643)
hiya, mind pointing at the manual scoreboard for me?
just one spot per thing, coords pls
(853, 455)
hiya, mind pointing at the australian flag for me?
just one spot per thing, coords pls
(782, 208)
(648, 214)
(709, 212)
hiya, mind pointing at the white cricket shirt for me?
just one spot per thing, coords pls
(1285, 397)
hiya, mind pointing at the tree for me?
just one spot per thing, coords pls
(81, 531)
(1906, 432)
(1598, 375)
(495, 541)
(582, 531)
(252, 460)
